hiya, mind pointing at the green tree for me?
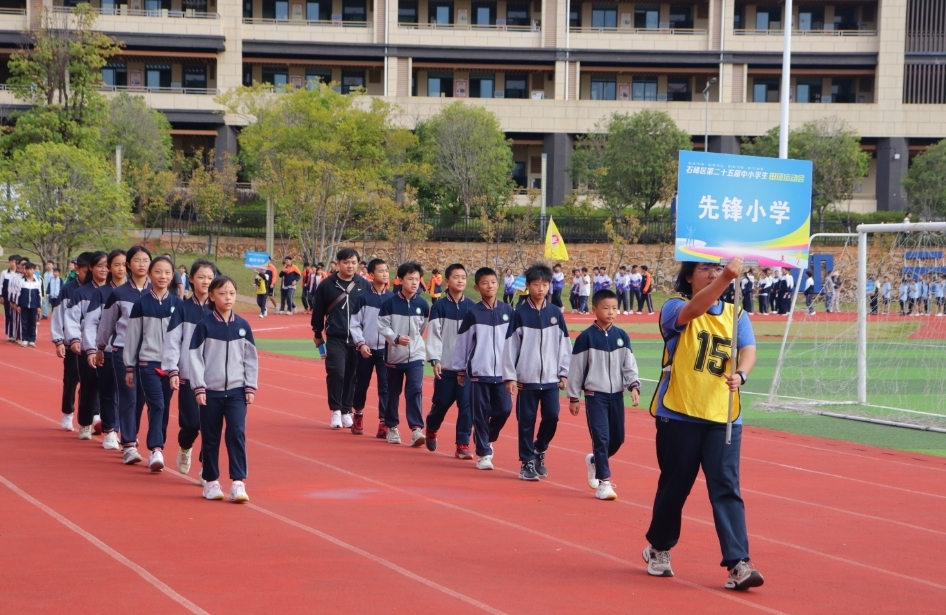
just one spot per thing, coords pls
(834, 149)
(60, 198)
(926, 190)
(212, 194)
(631, 160)
(469, 158)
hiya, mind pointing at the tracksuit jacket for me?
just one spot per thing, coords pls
(478, 352)
(538, 350)
(364, 319)
(74, 312)
(29, 296)
(175, 357)
(222, 357)
(337, 323)
(602, 362)
(57, 324)
(116, 312)
(402, 316)
(444, 327)
(93, 317)
(147, 324)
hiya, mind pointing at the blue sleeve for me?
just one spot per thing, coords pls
(668, 317)
(745, 336)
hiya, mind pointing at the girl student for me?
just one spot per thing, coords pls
(175, 357)
(144, 344)
(224, 367)
(101, 360)
(111, 333)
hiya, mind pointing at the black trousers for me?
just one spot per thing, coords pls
(188, 416)
(605, 413)
(635, 296)
(683, 447)
(747, 302)
(7, 318)
(230, 408)
(341, 365)
(764, 302)
(70, 381)
(411, 382)
(645, 298)
(108, 394)
(529, 404)
(366, 368)
(285, 299)
(622, 301)
(557, 298)
(28, 324)
(446, 392)
(492, 406)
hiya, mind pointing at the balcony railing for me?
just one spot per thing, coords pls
(12, 11)
(599, 29)
(535, 27)
(172, 90)
(338, 23)
(780, 32)
(123, 10)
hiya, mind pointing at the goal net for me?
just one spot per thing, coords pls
(893, 371)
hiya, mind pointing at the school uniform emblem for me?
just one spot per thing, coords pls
(243, 333)
(172, 309)
(417, 310)
(620, 342)
(553, 320)
(506, 317)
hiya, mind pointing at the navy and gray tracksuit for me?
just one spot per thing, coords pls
(478, 356)
(402, 316)
(73, 317)
(144, 345)
(444, 326)
(70, 362)
(364, 332)
(105, 375)
(111, 335)
(29, 298)
(5, 278)
(603, 366)
(537, 355)
(224, 366)
(175, 361)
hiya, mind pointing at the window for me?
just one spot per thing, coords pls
(808, 91)
(765, 90)
(248, 9)
(519, 174)
(517, 15)
(811, 18)
(151, 6)
(845, 18)
(315, 76)
(354, 10)
(681, 17)
(842, 91)
(115, 75)
(352, 79)
(644, 88)
(407, 11)
(482, 86)
(247, 75)
(739, 18)
(277, 77)
(195, 77)
(318, 11)
(275, 9)
(440, 12)
(108, 7)
(768, 18)
(678, 89)
(604, 17)
(603, 87)
(484, 13)
(574, 15)
(158, 76)
(646, 16)
(198, 6)
(516, 87)
(440, 84)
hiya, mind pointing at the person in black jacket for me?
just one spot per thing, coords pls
(334, 300)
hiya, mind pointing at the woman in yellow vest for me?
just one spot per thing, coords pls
(691, 407)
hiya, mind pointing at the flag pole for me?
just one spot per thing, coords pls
(734, 362)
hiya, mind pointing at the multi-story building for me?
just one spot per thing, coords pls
(549, 69)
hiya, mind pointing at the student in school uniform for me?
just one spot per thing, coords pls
(885, 294)
(595, 280)
(747, 284)
(765, 281)
(224, 369)
(605, 281)
(435, 286)
(637, 280)
(508, 290)
(535, 367)
(478, 355)
(939, 293)
(16, 283)
(914, 297)
(924, 296)
(48, 276)
(788, 288)
(175, 357)
(70, 360)
(622, 287)
(402, 321)
(144, 345)
(584, 291)
(558, 284)
(30, 303)
(90, 420)
(809, 290)
(5, 279)
(647, 290)
(369, 343)
(573, 296)
(53, 288)
(289, 279)
(903, 294)
(259, 281)
(443, 328)
(603, 366)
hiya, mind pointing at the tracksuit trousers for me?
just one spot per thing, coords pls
(70, 381)
(131, 401)
(605, 413)
(341, 366)
(28, 324)
(528, 405)
(88, 391)
(157, 391)
(365, 369)
(492, 405)
(188, 416)
(411, 381)
(229, 406)
(622, 301)
(446, 393)
(108, 395)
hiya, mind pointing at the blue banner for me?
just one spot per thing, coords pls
(757, 208)
(256, 260)
(519, 283)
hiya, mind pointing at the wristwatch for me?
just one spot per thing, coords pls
(742, 375)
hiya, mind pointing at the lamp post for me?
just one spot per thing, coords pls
(706, 90)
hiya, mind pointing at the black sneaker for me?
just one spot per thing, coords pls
(540, 468)
(528, 471)
(431, 440)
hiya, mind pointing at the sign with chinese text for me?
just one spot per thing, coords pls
(255, 260)
(756, 208)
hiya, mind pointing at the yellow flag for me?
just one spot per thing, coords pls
(554, 244)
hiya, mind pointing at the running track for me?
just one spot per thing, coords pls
(348, 524)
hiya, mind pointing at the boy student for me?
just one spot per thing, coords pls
(535, 362)
(290, 276)
(603, 366)
(604, 278)
(622, 285)
(402, 321)
(445, 318)
(478, 355)
(939, 292)
(595, 280)
(885, 294)
(558, 283)
(5, 279)
(584, 291)
(70, 378)
(334, 300)
(765, 281)
(647, 289)
(29, 301)
(48, 276)
(370, 346)
(573, 296)
(636, 280)
(809, 290)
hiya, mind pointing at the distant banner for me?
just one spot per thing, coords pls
(256, 260)
(756, 208)
(519, 283)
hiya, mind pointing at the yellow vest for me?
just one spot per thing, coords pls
(697, 386)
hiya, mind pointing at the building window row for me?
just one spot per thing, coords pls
(815, 89)
(483, 13)
(481, 84)
(808, 18)
(187, 79)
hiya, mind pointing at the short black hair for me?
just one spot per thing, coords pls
(584, 270)
(540, 272)
(201, 263)
(373, 264)
(451, 268)
(483, 272)
(681, 284)
(29, 265)
(557, 266)
(15, 257)
(622, 268)
(644, 267)
(56, 270)
(346, 253)
(405, 269)
(435, 271)
(601, 295)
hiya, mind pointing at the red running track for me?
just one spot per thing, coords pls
(346, 524)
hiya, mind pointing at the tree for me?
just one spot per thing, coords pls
(835, 151)
(632, 160)
(60, 198)
(144, 133)
(469, 157)
(212, 194)
(926, 190)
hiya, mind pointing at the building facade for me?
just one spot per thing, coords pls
(549, 69)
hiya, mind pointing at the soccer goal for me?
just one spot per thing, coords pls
(872, 346)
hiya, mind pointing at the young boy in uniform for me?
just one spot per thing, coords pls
(478, 355)
(535, 362)
(603, 366)
(370, 346)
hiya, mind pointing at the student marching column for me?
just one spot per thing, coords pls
(70, 360)
(224, 368)
(691, 409)
(370, 346)
(402, 321)
(478, 355)
(29, 300)
(535, 361)
(73, 318)
(444, 326)
(603, 366)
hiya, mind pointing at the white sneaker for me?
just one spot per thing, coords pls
(130, 455)
(394, 436)
(658, 562)
(590, 466)
(336, 422)
(212, 490)
(743, 576)
(347, 421)
(156, 461)
(639, 312)
(110, 442)
(605, 491)
(485, 463)
(238, 492)
(200, 476)
(96, 424)
(417, 437)
(31, 344)
(184, 460)
(67, 422)
(22, 344)
(261, 315)
(85, 433)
